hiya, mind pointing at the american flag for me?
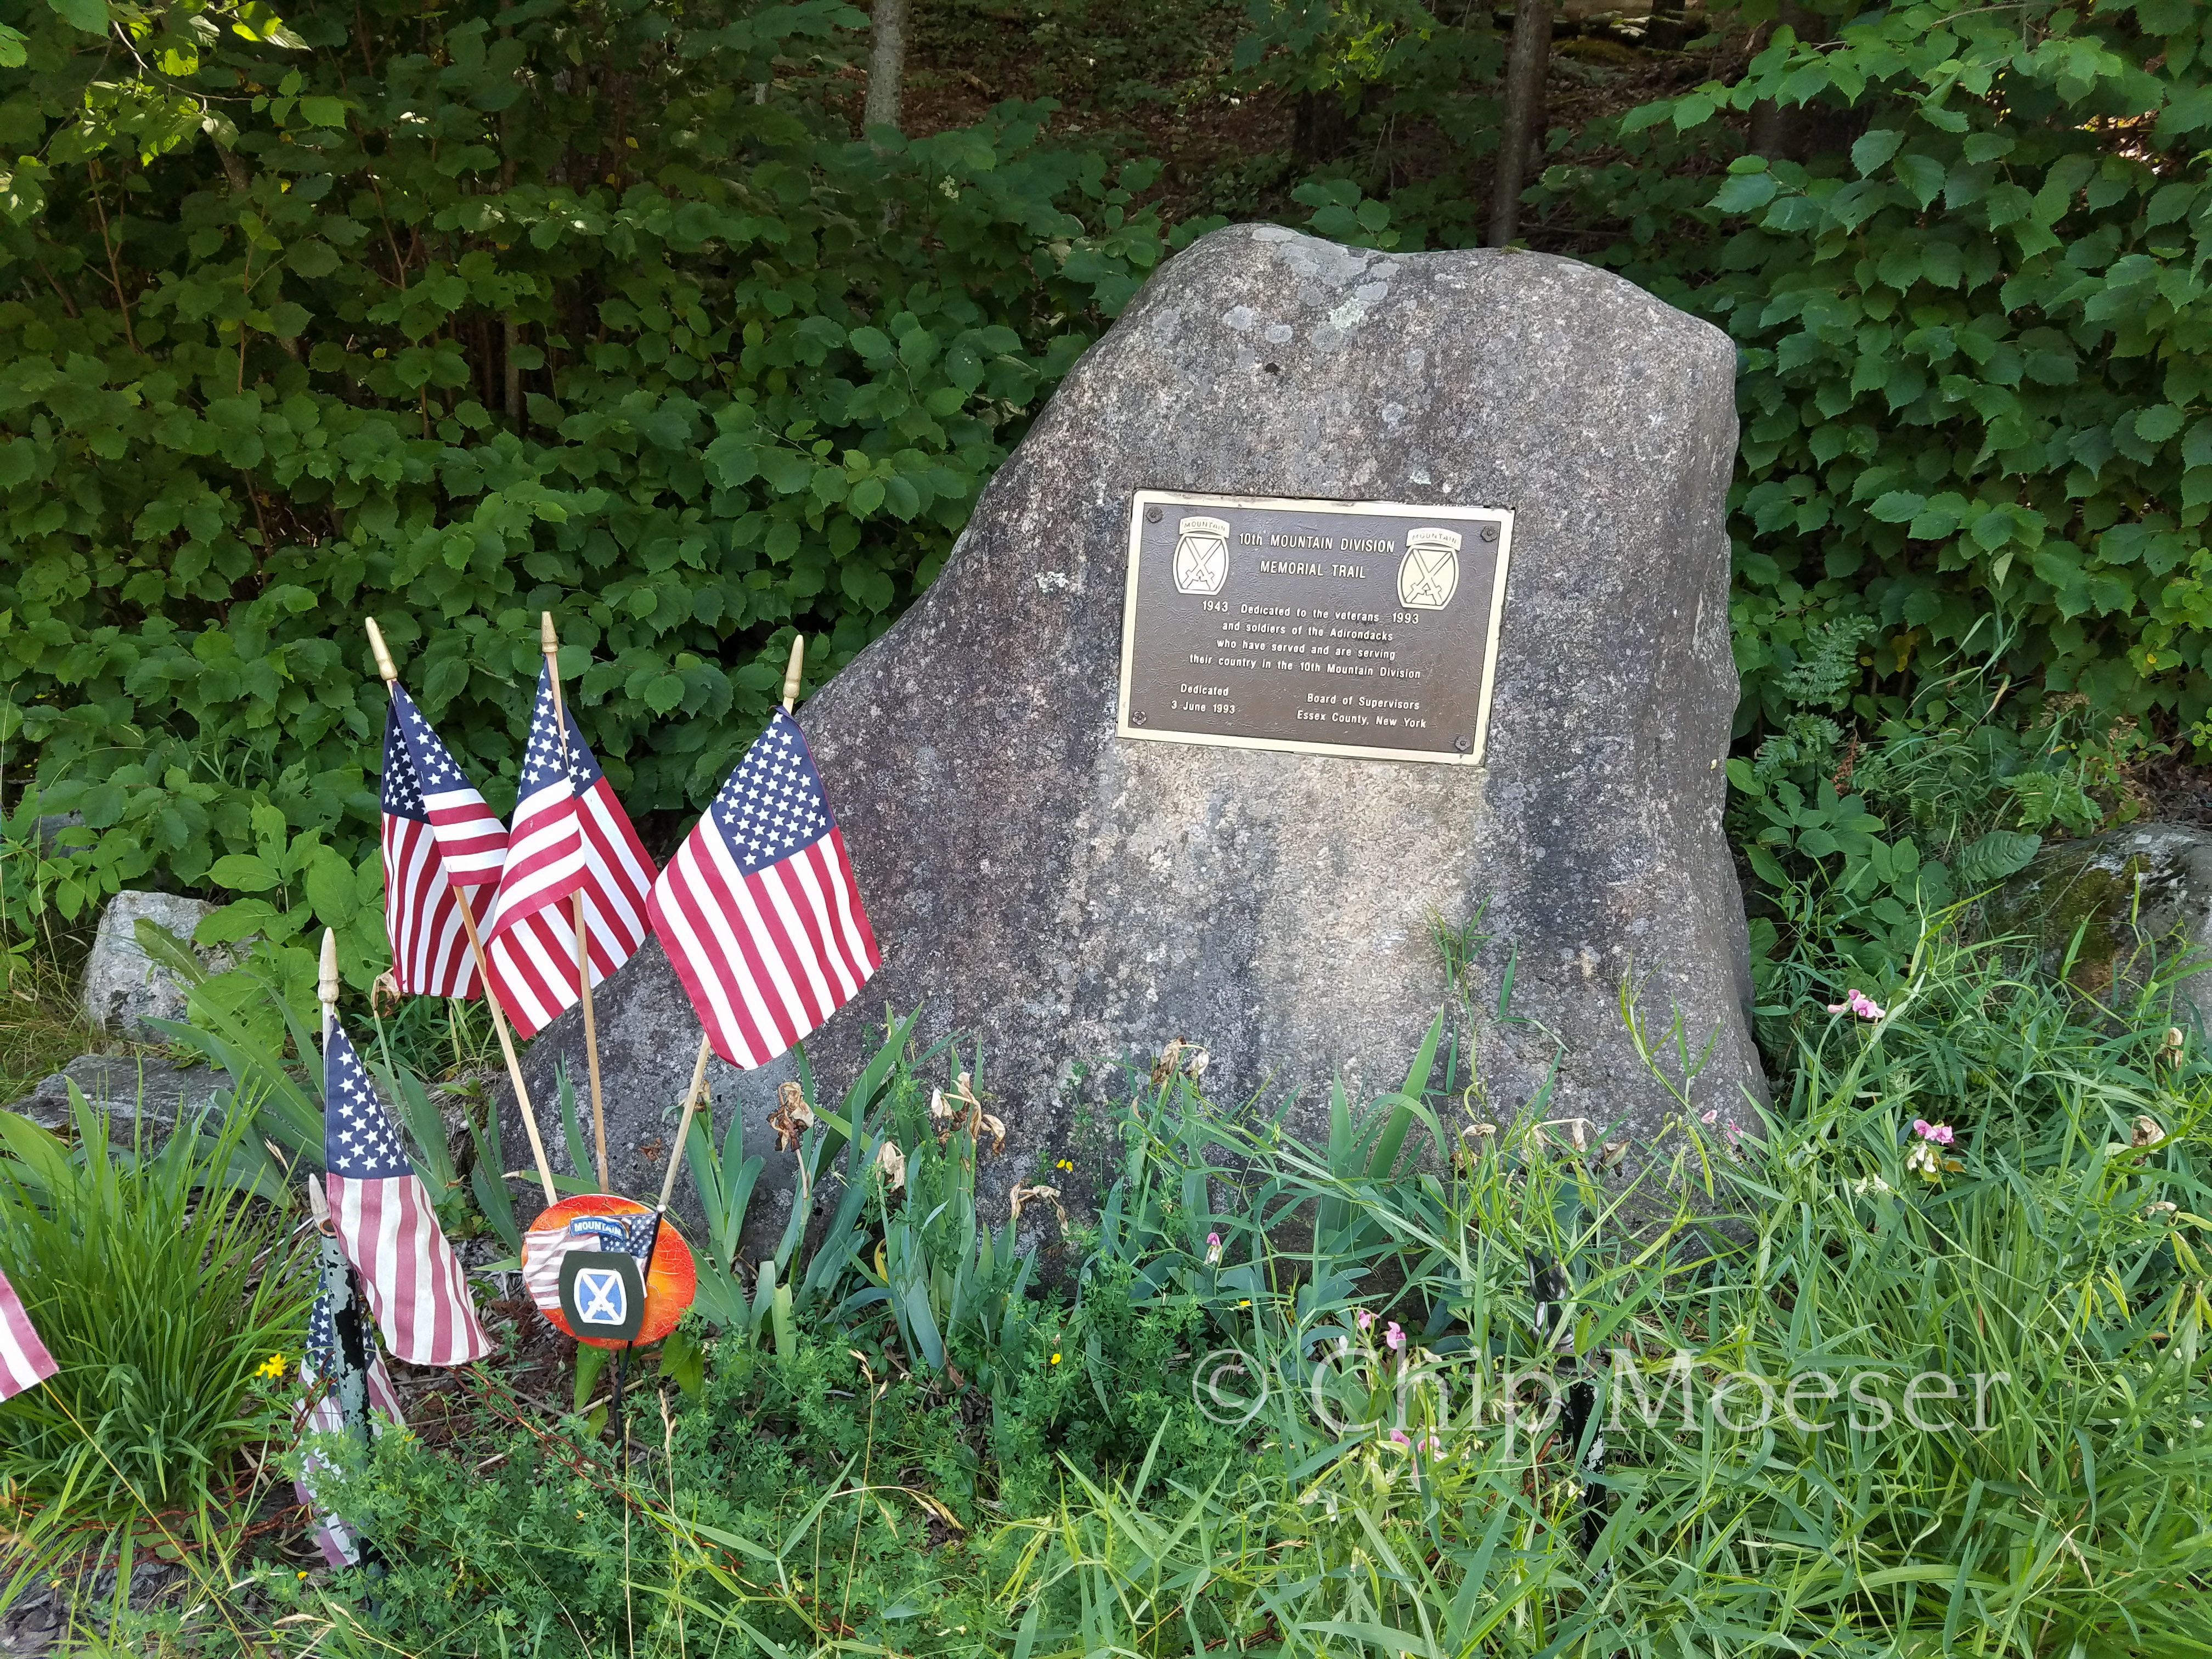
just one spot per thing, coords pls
(438, 835)
(24, 1361)
(571, 836)
(544, 1248)
(326, 1375)
(758, 910)
(391, 1234)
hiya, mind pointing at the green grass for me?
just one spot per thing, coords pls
(902, 1432)
(917, 1465)
(41, 1029)
(160, 1289)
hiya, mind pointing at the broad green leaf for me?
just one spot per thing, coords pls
(242, 872)
(1872, 148)
(90, 15)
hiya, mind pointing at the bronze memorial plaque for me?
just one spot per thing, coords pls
(1332, 627)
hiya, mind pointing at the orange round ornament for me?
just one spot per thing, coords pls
(668, 1290)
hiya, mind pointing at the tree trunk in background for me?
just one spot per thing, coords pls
(1321, 126)
(1774, 131)
(1525, 64)
(886, 64)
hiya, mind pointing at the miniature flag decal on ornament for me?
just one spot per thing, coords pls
(585, 1230)
(758, 909)
(570, 835)
(385, 1223)
(544, 1247)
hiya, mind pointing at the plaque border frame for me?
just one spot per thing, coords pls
(1501, 516)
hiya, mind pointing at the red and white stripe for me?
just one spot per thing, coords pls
(470, 835)
(592, 849)
(24, 1361)
(767, 957)
(430, 954)
(544, 856)
(543, 1252)
(414, 1282)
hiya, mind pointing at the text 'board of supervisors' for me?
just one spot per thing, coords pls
(1367, 629)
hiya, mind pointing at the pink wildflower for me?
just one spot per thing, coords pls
(1366, 1320)
(1711, 1116)
(1857, 1002)
(1394, 1338)
(1398, 1437)
(1213, 1250)
(1941, 1133)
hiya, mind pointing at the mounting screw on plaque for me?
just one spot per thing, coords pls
(1490, 532)
(1151, 515)
(1463, 745)
(1137, 717)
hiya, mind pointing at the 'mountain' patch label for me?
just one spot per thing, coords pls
(1341, 628)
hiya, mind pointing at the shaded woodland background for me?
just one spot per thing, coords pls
(673, 320)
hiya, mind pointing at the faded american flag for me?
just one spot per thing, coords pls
(409, 1272)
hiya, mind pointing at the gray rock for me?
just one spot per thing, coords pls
(2146, 895)
(648, 1039)
(51, 825)
(124, 987)
(131, 1091)
(1071, 899)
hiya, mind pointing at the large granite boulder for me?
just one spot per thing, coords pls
(1069, 899)
(141, 1096)
(2110, 908)
(124, 987)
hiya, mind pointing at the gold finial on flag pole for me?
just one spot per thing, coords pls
(791, 674)
(384, 666)
(326, 981)
(383, 657)
(550, 642)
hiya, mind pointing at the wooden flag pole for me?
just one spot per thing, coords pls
(384, 666)
(550, 642)
(790, 677)
(692, 1097)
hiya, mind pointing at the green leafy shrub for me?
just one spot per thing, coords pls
(835, 1492)
(528, 308)
(1973, 345)
(1972, 323)
(160, 1292)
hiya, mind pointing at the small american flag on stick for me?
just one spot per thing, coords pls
(758, 909)
(389, 1232)
(438, 835)
(570, 835)
(24, 1361)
